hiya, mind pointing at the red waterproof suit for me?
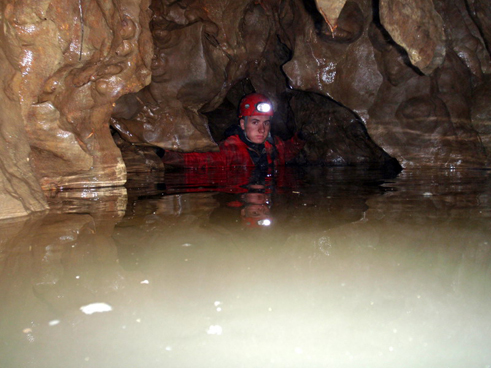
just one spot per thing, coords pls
(234, 152)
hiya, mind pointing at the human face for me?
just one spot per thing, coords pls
(257, 128)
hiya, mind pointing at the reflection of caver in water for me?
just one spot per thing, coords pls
(256, 210)
(255, 203)
(248, 144)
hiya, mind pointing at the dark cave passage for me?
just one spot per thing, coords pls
(335, 135)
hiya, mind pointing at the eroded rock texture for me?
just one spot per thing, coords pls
(202, 48)
(69, 61)
(20, 192)
(330, 10)
(418, 28)
(366, 81)
(408, 71)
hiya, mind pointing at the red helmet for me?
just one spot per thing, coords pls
(255, 104)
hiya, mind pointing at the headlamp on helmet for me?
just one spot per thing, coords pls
(263, 107)
(255, 104)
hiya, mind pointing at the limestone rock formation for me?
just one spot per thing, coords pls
(480, 11)
(202, 48)
(20, 192)
(481, 114)
(418, 28)
(338, 64)
(367, 81)
(331, 10)
(70, 62)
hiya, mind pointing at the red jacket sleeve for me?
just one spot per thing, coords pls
(287, 150)
(233, 152)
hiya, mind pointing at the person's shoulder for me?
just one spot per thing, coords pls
(233, 139)
(232, 143)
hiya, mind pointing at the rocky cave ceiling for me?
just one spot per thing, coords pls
(89, 88)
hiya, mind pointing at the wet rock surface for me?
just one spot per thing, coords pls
(70, 62)
(409, 79)
(418, 28)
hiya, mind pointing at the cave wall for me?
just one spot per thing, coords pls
(202, 49)
(413, 75)
(415, 95)
(19, 188)
(414, 72)
(64, 64)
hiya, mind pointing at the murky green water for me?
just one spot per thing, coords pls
(354, 270)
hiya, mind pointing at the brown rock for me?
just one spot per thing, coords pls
(481, 114)
(481, 13)
(330, 10)
(409, 78)
(20, 192)
(71, 75)
(341, 68)
(414, 111)
(418, 28)
(138, 158)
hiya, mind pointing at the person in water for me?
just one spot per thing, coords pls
(249, 143)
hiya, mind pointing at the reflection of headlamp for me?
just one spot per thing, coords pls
(265, 222)
(263, 107)
(254, 222)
